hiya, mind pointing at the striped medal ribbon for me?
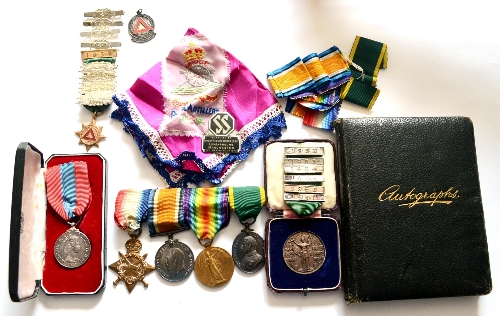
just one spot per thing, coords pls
(70, 195)
(248, 246)
(207, 212)
(174, 260)
(312, 86)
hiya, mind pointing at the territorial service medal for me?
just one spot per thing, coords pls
(248, 247)
(69, 194)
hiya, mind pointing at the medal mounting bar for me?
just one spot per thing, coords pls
(103, 13)
(307, 169)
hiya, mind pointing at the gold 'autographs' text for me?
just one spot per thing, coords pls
(413, 198)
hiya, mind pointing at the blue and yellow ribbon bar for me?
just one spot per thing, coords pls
(291, 79)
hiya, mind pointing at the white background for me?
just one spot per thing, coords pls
(444, 60)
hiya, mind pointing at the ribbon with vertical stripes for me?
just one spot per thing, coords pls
(166, 212)
(130, 211)
(68, 189)
(174, 259)
(70, 195)
(206, 211)
(131, 208)
(246, 201)
(367, 57)
(312, 85)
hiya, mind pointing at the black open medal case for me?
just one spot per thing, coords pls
(302, 253)
(35, 226)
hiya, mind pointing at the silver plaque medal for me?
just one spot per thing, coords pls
(69, 194)
(141, 28)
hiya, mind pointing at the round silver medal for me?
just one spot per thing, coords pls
(248, 252)
(174, 261)
(304, 252)
(72, 249)
(141, 28)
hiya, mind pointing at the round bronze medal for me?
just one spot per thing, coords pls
(214, 267)
(72, 249)
(248, 252)
(304, 252)
(174, 261)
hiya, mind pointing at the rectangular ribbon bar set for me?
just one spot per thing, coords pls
(316, 85)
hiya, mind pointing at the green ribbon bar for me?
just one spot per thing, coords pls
(371, 56)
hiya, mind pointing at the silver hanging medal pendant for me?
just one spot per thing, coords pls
(72, 248)
(174, 260)
(248, 250)
(141, 28)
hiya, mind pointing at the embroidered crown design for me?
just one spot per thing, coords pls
(193, 53)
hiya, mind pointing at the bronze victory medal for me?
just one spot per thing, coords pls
(304, 252)
(72, 249)
(214, 267)
(248, 252)
(174, 261)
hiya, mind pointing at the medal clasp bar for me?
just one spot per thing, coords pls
(304, 197)
(100, 23)
(290, 188)
(303, 161)
(304, 151)
(99, 53)
(103, 13)
(100, 45)
(301, 169)
(304, 178)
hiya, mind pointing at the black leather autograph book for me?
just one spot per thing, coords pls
(411, 211)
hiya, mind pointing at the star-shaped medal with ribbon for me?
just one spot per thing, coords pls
(132, 266)
(90, 135)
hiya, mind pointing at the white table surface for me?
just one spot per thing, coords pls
(444, 60)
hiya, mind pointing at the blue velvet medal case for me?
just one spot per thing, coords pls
(302, 252)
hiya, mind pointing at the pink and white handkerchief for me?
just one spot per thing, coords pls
(167, 111)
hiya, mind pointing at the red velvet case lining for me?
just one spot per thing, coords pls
(90, 277)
